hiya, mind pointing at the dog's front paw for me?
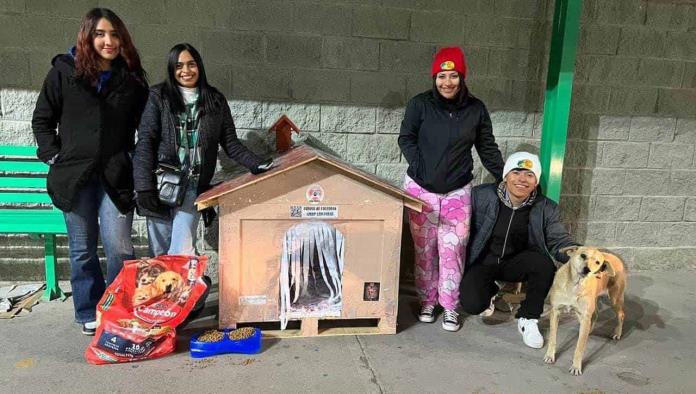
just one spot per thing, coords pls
(577, 371)
(616, 337)
(550, 359)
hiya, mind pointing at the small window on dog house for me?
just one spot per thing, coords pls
(312, 240)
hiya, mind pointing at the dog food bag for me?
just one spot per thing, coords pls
(139, 312)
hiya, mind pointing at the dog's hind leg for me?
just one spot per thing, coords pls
(550, 356)
(616, 294)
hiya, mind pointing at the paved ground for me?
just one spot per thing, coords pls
(42, 352)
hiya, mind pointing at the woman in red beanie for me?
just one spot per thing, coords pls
(440, 127)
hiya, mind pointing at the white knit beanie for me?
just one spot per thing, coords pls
(525, 161)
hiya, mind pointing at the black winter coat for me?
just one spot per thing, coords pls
(437, 142)
(157, 142)
(92, 132)
(546, 233)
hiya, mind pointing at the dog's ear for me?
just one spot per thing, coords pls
(606, 267)
(569, 250)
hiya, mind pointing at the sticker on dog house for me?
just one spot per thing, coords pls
(253, 300)
(314, 211)
(315, 194)
(371, 291)
(311, 272)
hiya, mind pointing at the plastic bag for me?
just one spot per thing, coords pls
(138, 314)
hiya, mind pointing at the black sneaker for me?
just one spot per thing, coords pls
(427, 314)
(89, 328)
(450, 320)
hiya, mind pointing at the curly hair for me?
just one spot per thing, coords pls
(87, 59)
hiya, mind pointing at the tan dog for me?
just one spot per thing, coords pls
(588, 274)
(170, 284)
(144, 294)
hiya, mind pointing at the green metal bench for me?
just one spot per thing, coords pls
(25, 207)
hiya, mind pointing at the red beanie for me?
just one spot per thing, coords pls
(449, 59)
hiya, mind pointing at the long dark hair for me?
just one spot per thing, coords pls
(87, 59)
(209, 98)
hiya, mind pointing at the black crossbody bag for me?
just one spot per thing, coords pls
(172, 181)
(171, 184)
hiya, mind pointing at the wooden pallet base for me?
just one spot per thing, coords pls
(315, 327)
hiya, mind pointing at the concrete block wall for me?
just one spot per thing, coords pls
(343, 71)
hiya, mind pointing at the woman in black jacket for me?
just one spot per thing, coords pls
(84, 124)
(184, 122)
(439, 129)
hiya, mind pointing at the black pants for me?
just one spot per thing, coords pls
(478, 285)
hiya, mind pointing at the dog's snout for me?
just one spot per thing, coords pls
(585, 271)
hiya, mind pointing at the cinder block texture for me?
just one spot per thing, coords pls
(344, 70)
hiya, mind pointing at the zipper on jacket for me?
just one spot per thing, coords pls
(507, 232)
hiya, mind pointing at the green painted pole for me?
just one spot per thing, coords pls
(559, 90)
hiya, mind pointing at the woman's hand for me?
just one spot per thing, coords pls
(149, 200)
(263, 167)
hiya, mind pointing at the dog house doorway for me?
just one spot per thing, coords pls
(311, 272)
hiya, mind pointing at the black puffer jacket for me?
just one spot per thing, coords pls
(546, 233)
(92, 132)
(437, 142)
(157, 142)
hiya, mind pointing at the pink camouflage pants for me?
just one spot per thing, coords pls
(440, 234)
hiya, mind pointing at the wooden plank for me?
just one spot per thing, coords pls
(22, 167)
(17, 151)
(24, 198)
(329, 332)
(310, 327)
(10, 182)
(32, 221)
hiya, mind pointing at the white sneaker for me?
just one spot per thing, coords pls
(427, 314)
(530, 332)
(450, 320)
(89, 328)
(491, 308)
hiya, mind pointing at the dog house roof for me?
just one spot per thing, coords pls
(297, 157)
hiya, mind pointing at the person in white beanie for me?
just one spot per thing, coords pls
(516, 235)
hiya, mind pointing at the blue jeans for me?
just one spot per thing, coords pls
(176, 235)
(94, 215)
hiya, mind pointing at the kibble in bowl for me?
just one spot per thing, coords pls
(211, 336)
(241, 333)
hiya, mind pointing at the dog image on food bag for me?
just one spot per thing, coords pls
(148, 270)
(139, 312)
(588, 274)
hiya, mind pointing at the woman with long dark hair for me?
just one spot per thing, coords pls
(184, 123)
(84, 124)
(440, 127)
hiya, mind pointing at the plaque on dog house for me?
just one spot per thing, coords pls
(313, 240)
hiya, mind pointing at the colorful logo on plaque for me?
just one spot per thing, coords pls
(315, 194)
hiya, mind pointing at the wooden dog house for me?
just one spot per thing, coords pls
(313, 239)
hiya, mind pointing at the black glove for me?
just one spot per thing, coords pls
(149, 200)
(262, 167)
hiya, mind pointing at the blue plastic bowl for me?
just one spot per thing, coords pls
(251, 345)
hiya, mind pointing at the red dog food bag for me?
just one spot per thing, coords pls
(139, 312)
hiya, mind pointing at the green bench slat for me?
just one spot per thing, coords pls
(11, 150)
(29, 198)
(22, 167)
(32, 221)
(22, 183)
